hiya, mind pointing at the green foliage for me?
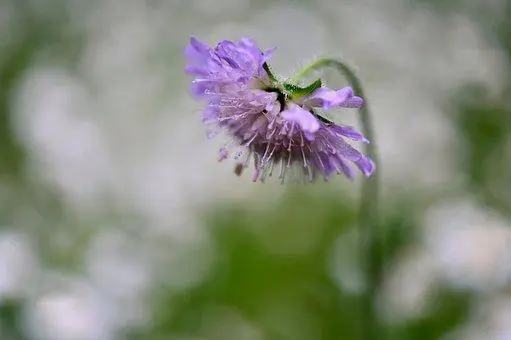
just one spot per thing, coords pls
(269, 260)
(484, 127)
(11, 326)
(449, 309)
(253, 278)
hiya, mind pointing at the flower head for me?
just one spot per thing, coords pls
(269, 121)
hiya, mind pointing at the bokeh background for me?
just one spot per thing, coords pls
(117, 222)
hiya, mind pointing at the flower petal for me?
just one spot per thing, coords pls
(268, 53)
(366, 165)
(340, 165)
(348, 132)
(327, 99)
(307, 122)
(210, 114)
(197, 52)
(348, 99)
(244, 55)
(354, 102)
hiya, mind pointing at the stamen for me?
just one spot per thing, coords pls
(243, 115)
(238, 169)
(251, 140)
(305, 164)
(223, 153)
(265, 152)
(292, 130)
(255, 174)
(319, 159)
(311, 174)
(282, 179)
(245, 164)
(282, 169)
(272, 164)
(271, 153)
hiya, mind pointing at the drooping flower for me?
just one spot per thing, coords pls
(273, 122)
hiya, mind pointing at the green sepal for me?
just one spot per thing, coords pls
(296, 91)
(271, 76)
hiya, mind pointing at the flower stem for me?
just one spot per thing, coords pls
(370, 240)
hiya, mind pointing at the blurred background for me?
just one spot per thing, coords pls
(117, 222)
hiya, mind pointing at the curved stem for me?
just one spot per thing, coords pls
(370, 241)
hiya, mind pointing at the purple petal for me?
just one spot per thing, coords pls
(348, 99)
(322, 97)
(349, 152)
(198, 45)
(249, 44)
(228, 63)
(196, 70)
(268, 53)
(245, 55)
(210, 114)
(354, 102)
(251, 47)
(346, 169)
(196, 51)
(343, 166)
(327, 99)
(349, 132)
(198, 87)
(307, 122)
(366, 165)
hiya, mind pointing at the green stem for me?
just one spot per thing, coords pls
(370, 241)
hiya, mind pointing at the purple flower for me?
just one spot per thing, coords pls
(266, 121)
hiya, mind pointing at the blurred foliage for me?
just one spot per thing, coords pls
(11, 319)
(38, 33)
(253, 279)
(15, 60)
(484, 126)
(250, 277)
(451, 309)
